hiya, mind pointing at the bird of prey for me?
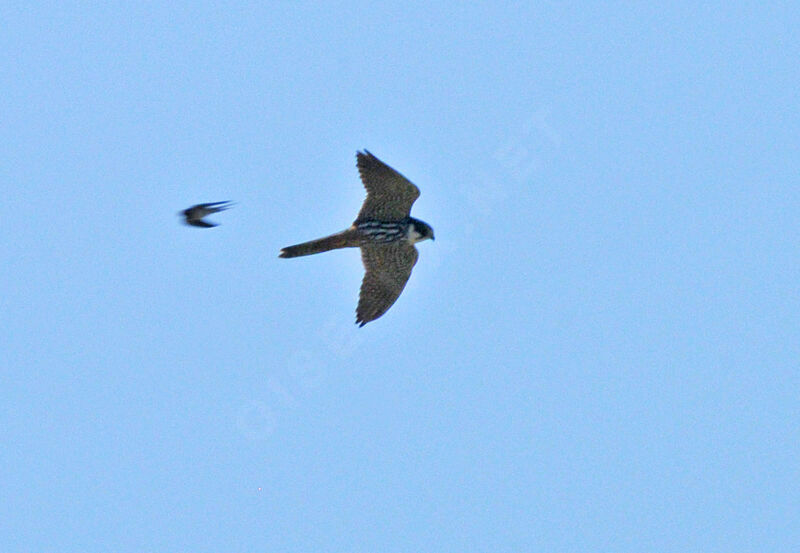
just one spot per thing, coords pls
(385, 232)
(194, 215)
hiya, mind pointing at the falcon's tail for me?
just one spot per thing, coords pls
(332, 242)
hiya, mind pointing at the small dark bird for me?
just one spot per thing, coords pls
(194, 215)
(385, 232)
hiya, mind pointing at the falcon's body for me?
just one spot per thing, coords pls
(385, 232)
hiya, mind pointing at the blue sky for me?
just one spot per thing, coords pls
(598, 353)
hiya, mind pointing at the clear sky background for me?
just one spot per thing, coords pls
(599, 353)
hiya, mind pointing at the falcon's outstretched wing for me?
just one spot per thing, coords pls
(388, 267)
(389, 194)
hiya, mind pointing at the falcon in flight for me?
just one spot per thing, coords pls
(385, 232)
(194, 215)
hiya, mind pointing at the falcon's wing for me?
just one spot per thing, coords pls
(389, 194)
(388, 267)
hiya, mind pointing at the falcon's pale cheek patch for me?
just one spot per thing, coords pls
(415, 236)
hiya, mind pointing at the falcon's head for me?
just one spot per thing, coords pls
(419, 231)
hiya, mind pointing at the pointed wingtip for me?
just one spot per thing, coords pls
(201, 223)
(222, 206)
